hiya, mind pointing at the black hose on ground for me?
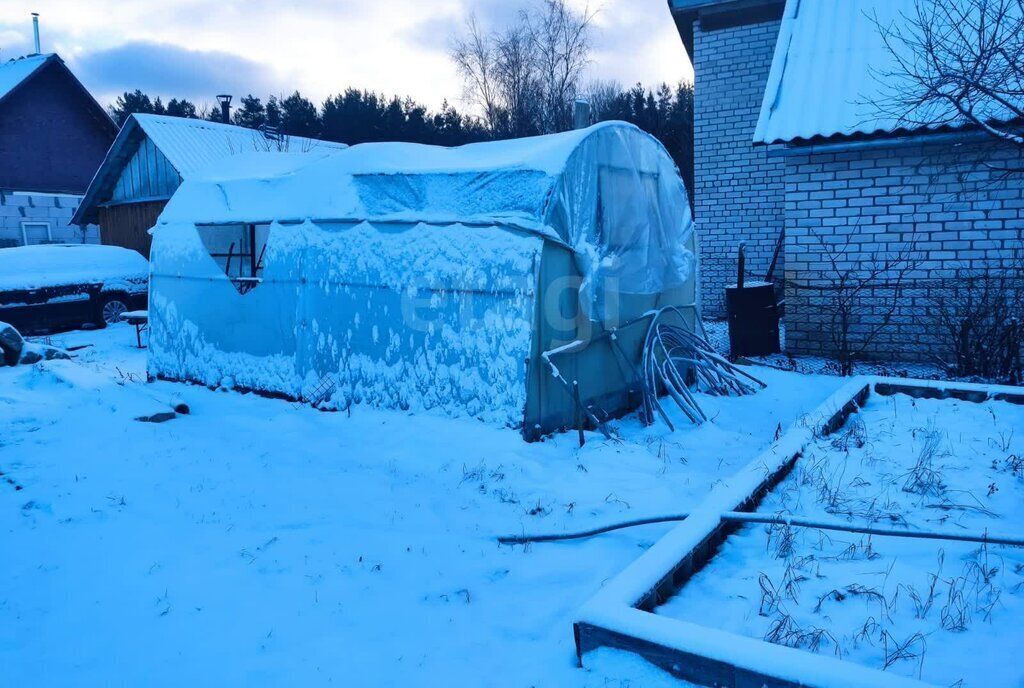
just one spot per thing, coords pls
(523, 539)
(749, 517)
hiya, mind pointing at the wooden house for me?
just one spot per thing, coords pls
(151, 157)
(53, 135)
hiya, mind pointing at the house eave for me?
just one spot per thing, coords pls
(720, 14)
(893, 139)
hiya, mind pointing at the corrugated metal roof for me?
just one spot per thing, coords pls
(832, 69)
(15, 71)
(192, 144)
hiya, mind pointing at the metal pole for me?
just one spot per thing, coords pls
(35, 31)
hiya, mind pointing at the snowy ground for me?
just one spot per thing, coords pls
(261, 543)
(947, 612)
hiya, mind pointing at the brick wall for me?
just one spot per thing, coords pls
(959, 214)
(55, 210)
(738, 188)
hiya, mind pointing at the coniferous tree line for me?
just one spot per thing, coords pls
(357, 116)
(522, 80)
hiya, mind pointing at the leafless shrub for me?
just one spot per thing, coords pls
(981, 317)
(858, 296)
(960, 63)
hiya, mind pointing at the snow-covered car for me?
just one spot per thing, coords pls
(51, 287)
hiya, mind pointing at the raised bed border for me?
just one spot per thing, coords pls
(621, 614)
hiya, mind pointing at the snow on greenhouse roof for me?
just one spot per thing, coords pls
(610, 194)
(831, 70)
(508, 181)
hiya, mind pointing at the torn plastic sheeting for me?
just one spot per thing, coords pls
(610, 192)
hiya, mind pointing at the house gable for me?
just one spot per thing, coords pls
(53, 134)
(154, 153)
(148, 175)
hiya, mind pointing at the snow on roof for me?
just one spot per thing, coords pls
(13, 72)
(828, 74)
(33, 267)
(192, 144)
(610, 193)
(479, 182)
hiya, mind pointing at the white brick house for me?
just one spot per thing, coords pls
(789, 139)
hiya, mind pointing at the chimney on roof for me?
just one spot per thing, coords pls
(581, 114)
(35, 30)
(225, 107)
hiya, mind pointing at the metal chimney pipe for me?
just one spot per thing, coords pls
(581, 114)
(35, 30)
(225, 107)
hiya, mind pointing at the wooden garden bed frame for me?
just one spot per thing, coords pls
(621, 615)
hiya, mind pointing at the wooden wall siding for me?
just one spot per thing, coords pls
(52, 136)
(128, 225)
(148, 174)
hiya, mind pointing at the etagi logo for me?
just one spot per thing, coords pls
(567, 309)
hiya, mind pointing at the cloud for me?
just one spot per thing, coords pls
(436, 33)
(196, 49)
(172, 71)
(13, 43)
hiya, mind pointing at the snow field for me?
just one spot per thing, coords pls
(257, 542)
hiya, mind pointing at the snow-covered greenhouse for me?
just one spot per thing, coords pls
(508, 281)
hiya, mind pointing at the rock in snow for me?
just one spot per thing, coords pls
(11, 344)
(14, 349)
(33, 353)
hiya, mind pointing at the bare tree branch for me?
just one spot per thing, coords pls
(524, 79)
(957, 63)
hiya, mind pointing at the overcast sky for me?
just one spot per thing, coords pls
(198, 48)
